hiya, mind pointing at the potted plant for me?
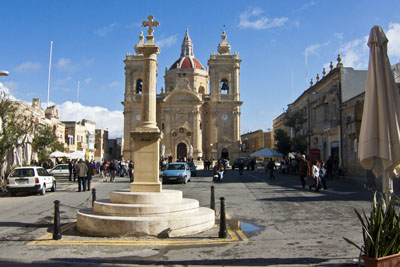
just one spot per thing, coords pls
(381, 233)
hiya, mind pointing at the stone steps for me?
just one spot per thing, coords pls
(185, 206)
(177, 225)
(145, 214)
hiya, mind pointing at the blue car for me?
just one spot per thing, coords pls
(177, 172)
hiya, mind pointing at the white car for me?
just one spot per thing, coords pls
(30, 179)
(61, 170)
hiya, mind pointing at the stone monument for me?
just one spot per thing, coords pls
(146, 137)
(146, 209)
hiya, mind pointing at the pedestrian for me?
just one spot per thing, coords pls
(315, 176)
(82, 174)
(75, 170)
(112, 169)
(89, 173)
(241, 167)
(70, 168)
(322, 175)
(130, 170)
(304, 170)
(105, 171)
(216, 173)
(329, 167)
(270, 168)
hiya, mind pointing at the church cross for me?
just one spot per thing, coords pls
(150, 23)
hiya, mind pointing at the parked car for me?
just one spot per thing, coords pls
(177, 172)
(246, 162)
(61, 170)
(193, 169)
(30, 179)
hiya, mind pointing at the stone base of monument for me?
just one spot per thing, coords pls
(139, 214)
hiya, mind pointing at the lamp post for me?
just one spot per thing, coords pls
(4, 73)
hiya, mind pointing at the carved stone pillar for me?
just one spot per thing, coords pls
(146, 137)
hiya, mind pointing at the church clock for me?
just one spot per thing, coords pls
(224, 117)
(138, 117)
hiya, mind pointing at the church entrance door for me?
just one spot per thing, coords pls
(181, 151)
(225, 153)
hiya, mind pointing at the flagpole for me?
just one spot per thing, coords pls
(77, 101)
(48, 81)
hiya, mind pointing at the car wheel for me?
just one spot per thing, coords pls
(53, 188)
(13, 194)
(43, 191)
(185, 181)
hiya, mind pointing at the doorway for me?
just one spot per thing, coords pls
(181, 151)
(224, 153)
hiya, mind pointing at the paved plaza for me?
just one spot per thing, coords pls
(270, 222)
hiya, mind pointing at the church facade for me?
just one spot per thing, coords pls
(199, 111)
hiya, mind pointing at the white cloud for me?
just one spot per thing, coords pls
(313, 49)
(87, 80)
(104, 118)
(6, 90)
(304, 7)
(253, 19)
(355, 53)
(168, 41)
(113, 84)
(65, 64)
(105, 30)
(88, 61)
(62, 82)
(11, 85)
(27, 66)
(339, 35)
(393, 34)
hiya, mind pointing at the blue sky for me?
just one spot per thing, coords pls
(91, 39)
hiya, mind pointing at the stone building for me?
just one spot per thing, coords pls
(257, 140)
(199, 111)
(332, 109)
(80, 138)
(101, 145)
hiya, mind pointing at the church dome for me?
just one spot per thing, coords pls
(187, 59)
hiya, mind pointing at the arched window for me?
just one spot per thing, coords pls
(139, 86)
(224, 86)
(162, 126)
(201, 90)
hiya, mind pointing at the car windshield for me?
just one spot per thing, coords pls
(22, 172)
(176, 167)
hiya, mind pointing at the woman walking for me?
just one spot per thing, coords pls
(315, 175)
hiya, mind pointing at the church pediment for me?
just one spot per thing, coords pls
(182, 96)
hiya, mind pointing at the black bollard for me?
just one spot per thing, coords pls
(93, 196)
(212, 202)
(222, 220)
(57, 228)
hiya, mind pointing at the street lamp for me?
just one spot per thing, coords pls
(4, 73)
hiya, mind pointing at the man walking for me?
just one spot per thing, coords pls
(304, 170)
(271, 167)
(82, 173)
(70, 168)
(89, 174)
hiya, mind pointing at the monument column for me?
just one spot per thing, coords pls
(146, 137)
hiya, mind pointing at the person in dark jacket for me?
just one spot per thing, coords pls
(70, 168)
(89, 174)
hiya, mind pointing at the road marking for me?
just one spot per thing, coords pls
(46, 239)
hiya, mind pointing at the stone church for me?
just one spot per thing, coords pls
(199, 111)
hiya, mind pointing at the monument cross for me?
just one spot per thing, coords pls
(150, 23)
